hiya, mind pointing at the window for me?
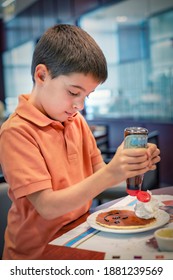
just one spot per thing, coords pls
(137, 40)
(17, 74)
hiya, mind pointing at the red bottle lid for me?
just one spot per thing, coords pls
(143, 196)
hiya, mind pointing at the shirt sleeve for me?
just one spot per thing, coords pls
(23, 165)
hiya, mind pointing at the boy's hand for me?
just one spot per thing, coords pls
(154, 155)
(128, 163)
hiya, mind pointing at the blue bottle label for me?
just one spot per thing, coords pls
(136, 141)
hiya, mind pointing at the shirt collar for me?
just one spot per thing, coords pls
(27, 111)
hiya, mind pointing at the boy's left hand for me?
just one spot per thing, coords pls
(153, 155)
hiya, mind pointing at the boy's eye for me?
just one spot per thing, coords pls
(73, 94)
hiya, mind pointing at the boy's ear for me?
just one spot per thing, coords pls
(41, 73)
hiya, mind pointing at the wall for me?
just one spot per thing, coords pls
(33, 21)
(30, 23)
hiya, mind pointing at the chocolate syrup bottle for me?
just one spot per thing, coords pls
(135, 137)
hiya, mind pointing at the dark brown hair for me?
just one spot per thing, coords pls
(66, 49)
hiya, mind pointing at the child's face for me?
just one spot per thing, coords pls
(61, 97)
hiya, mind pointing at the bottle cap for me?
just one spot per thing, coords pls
(143, 196)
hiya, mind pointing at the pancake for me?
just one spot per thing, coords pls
(122, 219)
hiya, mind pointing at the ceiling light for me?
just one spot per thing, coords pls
(121, 19)
(7, 3)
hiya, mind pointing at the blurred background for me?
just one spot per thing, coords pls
(136, 37)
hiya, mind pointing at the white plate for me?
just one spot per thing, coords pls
(161, 220)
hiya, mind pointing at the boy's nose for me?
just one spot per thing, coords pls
(78, 105)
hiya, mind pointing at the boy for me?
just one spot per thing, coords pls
(48, 153)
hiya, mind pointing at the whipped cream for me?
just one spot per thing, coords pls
(147, 210)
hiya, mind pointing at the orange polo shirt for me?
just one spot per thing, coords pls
(38, 153)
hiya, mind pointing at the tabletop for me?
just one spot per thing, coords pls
(54, 252)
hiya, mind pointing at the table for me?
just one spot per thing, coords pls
(53, 252)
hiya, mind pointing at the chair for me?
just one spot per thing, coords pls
(100, 133)
(151, 178)
(5, 204)
(2, 179)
